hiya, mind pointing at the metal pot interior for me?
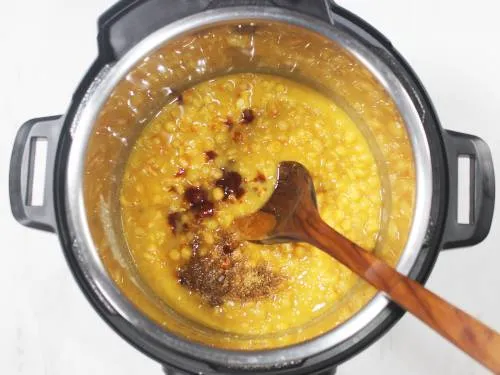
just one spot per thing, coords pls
(334, 64)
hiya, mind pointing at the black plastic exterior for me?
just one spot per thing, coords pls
(21, 173)
(482, 197)
(129, 21)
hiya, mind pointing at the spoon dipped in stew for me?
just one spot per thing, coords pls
(291, 215)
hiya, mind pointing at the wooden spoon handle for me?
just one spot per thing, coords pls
(467, 333)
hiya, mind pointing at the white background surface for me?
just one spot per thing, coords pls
(47, 326)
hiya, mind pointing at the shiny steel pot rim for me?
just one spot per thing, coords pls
(86, 252)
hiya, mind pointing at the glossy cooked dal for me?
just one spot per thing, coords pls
(210, 156)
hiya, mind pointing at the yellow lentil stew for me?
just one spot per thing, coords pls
(147, 267)
(211, 156)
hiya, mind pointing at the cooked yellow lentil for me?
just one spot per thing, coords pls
(247, 123)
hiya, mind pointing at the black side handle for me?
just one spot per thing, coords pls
(482, 190)
(21, 173)
(129, 21)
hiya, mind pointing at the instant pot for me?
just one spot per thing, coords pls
(149, 51)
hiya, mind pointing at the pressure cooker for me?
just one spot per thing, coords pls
(89, 144)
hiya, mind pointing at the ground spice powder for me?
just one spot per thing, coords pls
(225, 274)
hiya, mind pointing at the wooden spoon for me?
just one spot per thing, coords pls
(291, 215)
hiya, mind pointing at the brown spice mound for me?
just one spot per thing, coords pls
(224, 274)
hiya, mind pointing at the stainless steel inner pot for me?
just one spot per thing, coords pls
(304, 48)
